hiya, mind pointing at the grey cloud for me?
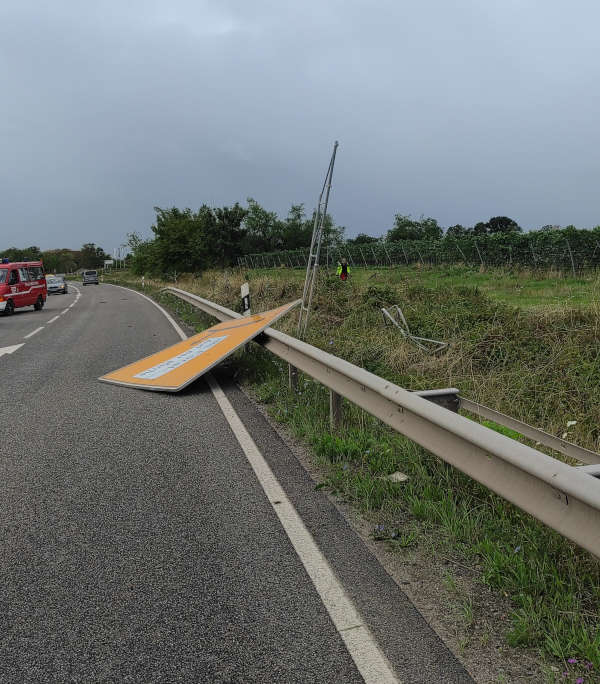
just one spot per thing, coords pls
(457, 110)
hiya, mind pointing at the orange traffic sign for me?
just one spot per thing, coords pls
(172, 369)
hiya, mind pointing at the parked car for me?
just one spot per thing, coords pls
(56, 284)
(22, 284)
(90, 278)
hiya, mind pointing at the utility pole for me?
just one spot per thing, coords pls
(312, 267)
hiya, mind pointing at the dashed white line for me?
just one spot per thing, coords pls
(31, 334)
(37, 330)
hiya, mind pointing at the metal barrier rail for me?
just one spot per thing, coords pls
(563, 497)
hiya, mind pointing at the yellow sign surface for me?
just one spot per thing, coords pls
(171, 369)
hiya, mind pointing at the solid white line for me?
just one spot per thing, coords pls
(369, 659)
(52, 320)
(31, 334)
(364, 650)
(64, 311)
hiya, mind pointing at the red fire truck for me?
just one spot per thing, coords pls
(22, 283)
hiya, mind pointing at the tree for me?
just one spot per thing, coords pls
(263, 229)
(457, 231)
(61, 260)
(503, 224)
(143, 255)
(362, 239)
(91, 256)
(333, 235)
(407, 228)
(32, 253)
(228, 233)
(497, 224)
(296, 229)
(181, 237)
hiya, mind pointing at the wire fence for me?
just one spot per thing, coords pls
(563, 250)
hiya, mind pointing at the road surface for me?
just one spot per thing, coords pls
(138, 543)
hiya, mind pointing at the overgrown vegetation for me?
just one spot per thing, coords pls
(540, 366)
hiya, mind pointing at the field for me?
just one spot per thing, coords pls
(522, 288)
(523, 343)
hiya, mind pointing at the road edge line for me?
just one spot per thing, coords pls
(368, 657)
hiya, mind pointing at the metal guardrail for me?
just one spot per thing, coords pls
(561, 445)
(565, 498)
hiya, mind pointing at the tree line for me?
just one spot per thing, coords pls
(426, 228)
(186, 241)
(59, 260)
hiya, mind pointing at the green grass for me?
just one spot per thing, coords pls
(538, 365)
(523, 288)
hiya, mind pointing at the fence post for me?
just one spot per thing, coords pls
(404, 252)
(387, 255)
(335, 410)
(478, 252)
(292, 378)
(363, 256)
(533, 254)
(572, 260)
(463, 254)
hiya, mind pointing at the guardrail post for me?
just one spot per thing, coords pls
(336, 411)
(292, 377)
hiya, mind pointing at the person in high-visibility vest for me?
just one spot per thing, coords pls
(343, 270)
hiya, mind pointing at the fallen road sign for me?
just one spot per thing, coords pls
(172, 369)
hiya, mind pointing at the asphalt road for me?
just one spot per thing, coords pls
(137, 542)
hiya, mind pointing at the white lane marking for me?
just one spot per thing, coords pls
(31, 334)
(10, 350)
(362, 646)
(37, 330)
(368, 657)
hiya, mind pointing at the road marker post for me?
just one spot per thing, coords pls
(245, 291)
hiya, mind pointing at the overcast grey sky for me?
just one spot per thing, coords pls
(456, 109)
